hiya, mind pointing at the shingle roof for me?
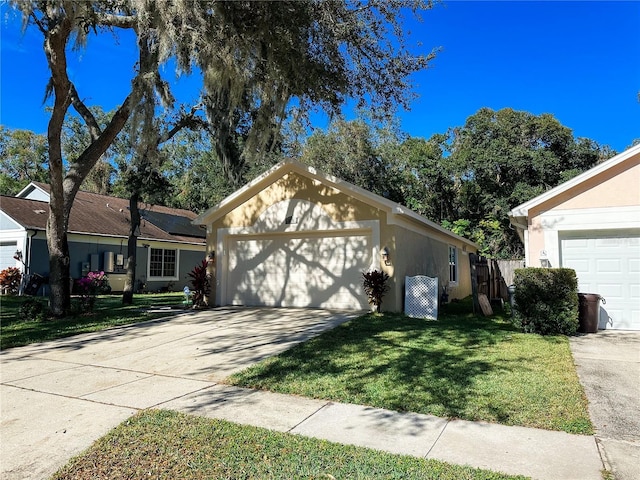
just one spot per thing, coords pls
(96, 214)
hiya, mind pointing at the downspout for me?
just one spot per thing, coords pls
(27, 261)
(27, 265)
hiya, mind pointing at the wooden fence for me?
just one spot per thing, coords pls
(492, 277)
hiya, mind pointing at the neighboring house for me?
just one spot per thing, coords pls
(592, 224)
(295, 237)
(169, 245)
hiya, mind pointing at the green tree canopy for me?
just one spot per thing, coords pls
(506, 157)
(23, 159)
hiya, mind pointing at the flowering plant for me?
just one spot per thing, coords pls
(10, 279)
(93, 284)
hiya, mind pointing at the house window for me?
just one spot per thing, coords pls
(162, 263)
(453, 264)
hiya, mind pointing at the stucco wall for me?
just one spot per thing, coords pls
(341, 207)
(414, 247)
(608, 201)
(414, 253)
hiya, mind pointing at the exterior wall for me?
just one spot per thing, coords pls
(610, 201)
(82, 247)
(339, 206)
(416, 253)
(414, 247)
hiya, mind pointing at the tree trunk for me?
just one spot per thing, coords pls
(132, 244)
(59, 275)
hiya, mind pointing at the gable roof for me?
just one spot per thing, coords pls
(286, 167)
(522, 210)
(94, 214)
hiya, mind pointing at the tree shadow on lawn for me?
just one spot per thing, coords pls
(389, 361)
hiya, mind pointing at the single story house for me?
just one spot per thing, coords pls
(591, 223)
(169, 245)
(295, 237)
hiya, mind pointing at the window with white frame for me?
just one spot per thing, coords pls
(163, 263)
(453, 264)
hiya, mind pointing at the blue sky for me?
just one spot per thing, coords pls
(579, 61)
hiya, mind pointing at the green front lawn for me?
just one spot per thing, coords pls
(18, 330)
(170, 445)
(460, 366)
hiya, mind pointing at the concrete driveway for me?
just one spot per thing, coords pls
(608, 364)
(57, 398)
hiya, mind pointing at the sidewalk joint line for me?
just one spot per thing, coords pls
(437, 439)
(309, 416)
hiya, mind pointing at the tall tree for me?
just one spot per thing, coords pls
(425, 177)
(358, 151)
(255, 57)
(503, 158)
(23, 159)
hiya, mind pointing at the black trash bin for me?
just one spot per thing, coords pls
(512, 299)
(34, 282)
(588, 312)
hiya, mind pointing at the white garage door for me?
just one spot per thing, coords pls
(298, 270)
(7, 251)
(608, 264)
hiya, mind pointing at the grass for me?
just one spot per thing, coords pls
(168, 445)
(108, 312)
(460, 366)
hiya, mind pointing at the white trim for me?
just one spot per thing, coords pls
(40, 196)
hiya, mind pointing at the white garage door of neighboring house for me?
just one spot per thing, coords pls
(607, 264)
(7, 251)
(298, 270)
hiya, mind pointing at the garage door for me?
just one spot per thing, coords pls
(298, 270)
(7, 251)
(608, 264)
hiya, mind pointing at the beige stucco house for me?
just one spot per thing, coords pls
(295, 237)
(591, 223)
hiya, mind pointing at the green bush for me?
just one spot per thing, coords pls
(32, 309)
(546, 300)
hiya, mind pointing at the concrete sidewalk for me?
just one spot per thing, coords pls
(59, 397)
(539, 454)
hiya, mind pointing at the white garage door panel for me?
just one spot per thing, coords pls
(298, 271)
(610, 266)
(7, 251)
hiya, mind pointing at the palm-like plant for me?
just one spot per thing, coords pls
(375, 286)
(200, 283)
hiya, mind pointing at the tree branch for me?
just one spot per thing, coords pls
(113, 20)
(186, 120)
(85, 113)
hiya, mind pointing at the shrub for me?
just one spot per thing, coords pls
(200, 283)
(10, 279)
(375, 286)
(95, 283)
(32, 309)
(546, 300)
